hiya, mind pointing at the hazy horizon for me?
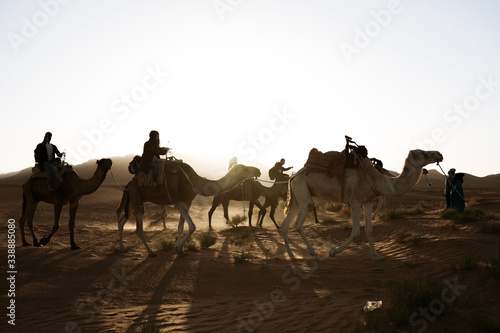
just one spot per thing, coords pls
(260, 80)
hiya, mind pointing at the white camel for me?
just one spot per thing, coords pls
(362, 185)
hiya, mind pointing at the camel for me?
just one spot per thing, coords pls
(70, 190)
(362, 185)
(183, 186)
(272, 195)
(248, 190)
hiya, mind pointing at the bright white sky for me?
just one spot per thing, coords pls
(256, 79)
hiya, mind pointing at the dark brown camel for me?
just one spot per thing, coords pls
(70, 190)
(183, 186)
(272, 195)
(248, 190)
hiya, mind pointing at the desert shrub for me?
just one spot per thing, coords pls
(207, 239)
(191, 245)
(345, 212)
(243, 257)
(236, 220)
(165, 244)
(404, 235)
(333, 206)
(397, 213)
(468, 215)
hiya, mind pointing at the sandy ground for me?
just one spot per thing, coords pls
(96, 289)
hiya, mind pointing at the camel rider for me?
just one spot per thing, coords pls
(278, 169)
(151, 154)
(45, 157)
(233, 161)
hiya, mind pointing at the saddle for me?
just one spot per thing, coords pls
(60, 171)
(165, 168)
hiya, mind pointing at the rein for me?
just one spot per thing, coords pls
(271, 182)
(376, 192)
(112, 175)
(453, 186)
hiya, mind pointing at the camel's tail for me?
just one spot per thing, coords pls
(124, 205)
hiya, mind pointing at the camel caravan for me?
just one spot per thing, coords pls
(348, 177)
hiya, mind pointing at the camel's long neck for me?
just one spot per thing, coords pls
(391, 186)
(209, 187)
(88, 186)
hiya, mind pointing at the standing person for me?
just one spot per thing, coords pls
(448, 185)
(151, 153)
(457, 200)
(277, 170)
(45, 157)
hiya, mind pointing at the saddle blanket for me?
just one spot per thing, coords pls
(59, 171)
(165, 167)
(331, 163)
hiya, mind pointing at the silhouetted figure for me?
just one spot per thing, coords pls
(232, 162)
(277, 170)
(448, 185)
(45, 157)
(151, 154)
(457, 193)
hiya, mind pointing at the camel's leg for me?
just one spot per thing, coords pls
(299, 224)
(382, 205)
(121, 224)
(164, 216)
(22, 221)
(260, 216)
(225, 207)
(30, 215)
(286, 223)
(215, 204)
(271, 215)
(315, 215)
(184, 210)
(140, 232)
(368, 228)
(57, 215)
(356, 214)
(250, 212)
(73, 207)
(124, 206)
(180, 231)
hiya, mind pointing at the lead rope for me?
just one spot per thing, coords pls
(374, 189)
(112, 175)
(243, 198)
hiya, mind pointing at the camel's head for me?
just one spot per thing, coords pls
(424, 157)
(104, 163)
(243, 171)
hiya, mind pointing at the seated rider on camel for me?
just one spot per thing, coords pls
(45, 157)
(151, 154)
(276, 172)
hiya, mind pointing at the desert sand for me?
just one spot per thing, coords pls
(97, 289)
